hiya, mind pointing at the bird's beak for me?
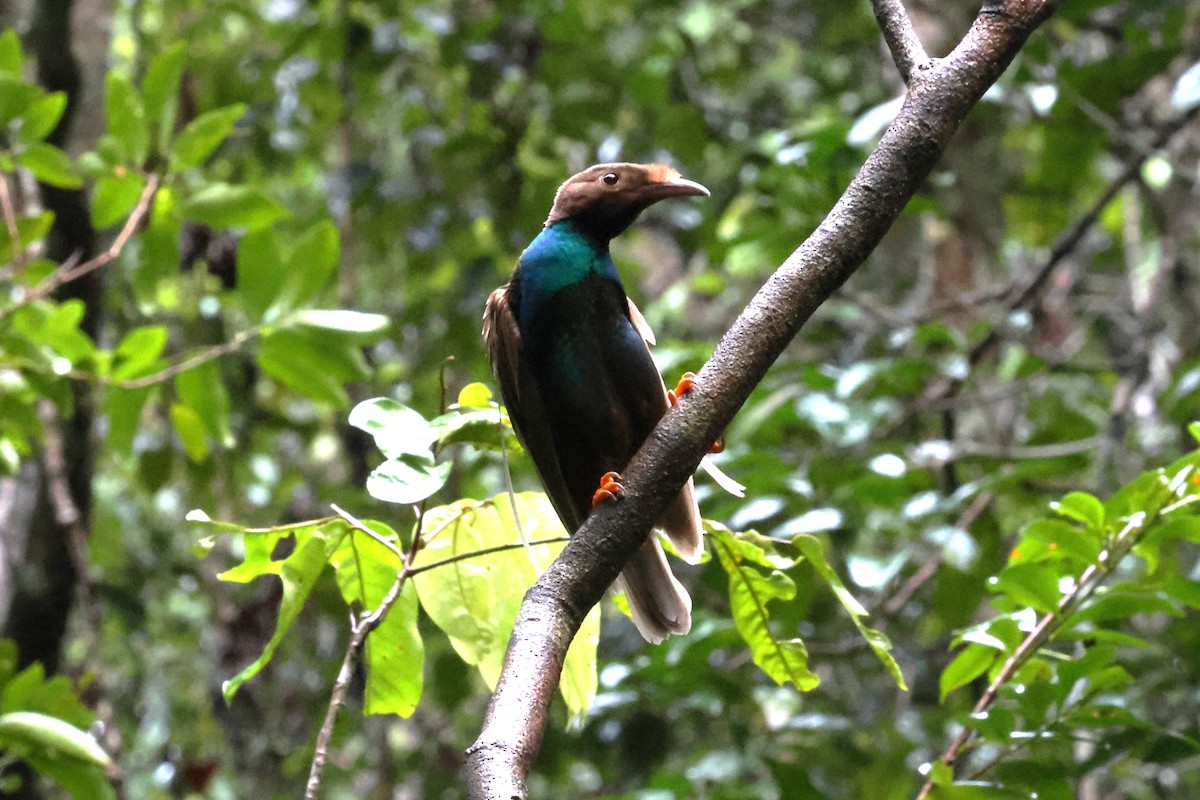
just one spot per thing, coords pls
(676, 186)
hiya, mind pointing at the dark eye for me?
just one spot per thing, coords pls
(611, 178)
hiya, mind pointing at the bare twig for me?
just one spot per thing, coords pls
(70, 271)
(10, 222)
(901, 37)
(938, 100)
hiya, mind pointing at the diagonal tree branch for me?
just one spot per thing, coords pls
(901, 37)
(939, 99)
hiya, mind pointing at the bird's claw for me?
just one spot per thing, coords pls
(610, 487)
(687, 382)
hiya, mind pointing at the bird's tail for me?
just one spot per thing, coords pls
(659, 603)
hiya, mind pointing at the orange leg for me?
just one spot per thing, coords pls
(610, 487)
(687, 382)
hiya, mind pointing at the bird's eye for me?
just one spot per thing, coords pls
(611, 178)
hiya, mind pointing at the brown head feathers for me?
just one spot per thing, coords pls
(606, 198)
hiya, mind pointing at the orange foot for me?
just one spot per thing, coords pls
(610, 487)
(687, 382)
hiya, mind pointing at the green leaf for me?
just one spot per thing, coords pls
(1184, 590)
(1055, 539)
(16, 96)
(202, 389)
(114, 196)
(50, 165)
(969, 664)
(815, 553)
(783, 660)
(262, 272)
(203, 135)
(138, 353)
(1032, 585)
(975, 790)
(313, 362)
(475, 600)
(191, 431)
(10, 53)
(30, 731)
(160, 88)
(481, 427)
(397, 429)
(41, 116)
(224, 205)
(29, 229)
(1082, 507)
(366, 570)
(125, 115)
(1122, 603)
(356, 323)
(123, 410)
(298, 572)
(475, 395)
(408, 479)
(313, 261)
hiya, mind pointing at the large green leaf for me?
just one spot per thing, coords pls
(125, 115)
(298, 572)
(785, 660)
(475, 600)
(160, 87)
(366, 570)
(314, 362)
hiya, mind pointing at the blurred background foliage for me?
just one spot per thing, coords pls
(394, 159)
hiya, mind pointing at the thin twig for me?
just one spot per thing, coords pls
(10, 222)
(901, 37)
(69, 271)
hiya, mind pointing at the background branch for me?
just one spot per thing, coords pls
(939, 99)
(901, 37)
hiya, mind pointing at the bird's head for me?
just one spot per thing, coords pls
(605, 199)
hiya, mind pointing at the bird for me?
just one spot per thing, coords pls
(571, 353)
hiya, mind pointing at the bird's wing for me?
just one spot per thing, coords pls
(502, 337)
(681, 518)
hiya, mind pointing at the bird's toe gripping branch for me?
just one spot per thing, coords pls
(610, 487)
(687, 382)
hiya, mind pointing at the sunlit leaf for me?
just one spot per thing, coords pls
(474, 600)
